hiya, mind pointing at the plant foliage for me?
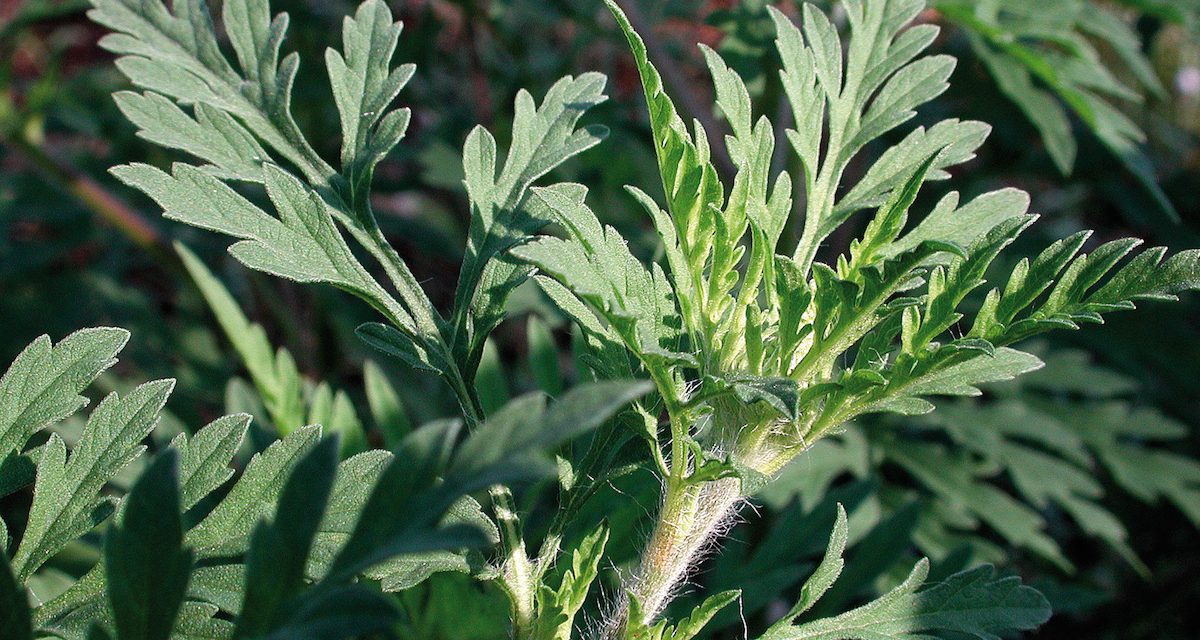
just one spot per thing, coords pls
(779, 363)
(757, 355)
(280, 552)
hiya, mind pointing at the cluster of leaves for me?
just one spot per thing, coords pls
(240, 125)
(768, 327)
(277, 553)
(970, 483)
(757, 355)
(1075, 61)
(1049, 437)
(1074, 58)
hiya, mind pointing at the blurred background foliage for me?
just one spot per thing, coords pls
(1038, 477)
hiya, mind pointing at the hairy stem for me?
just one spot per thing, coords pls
(693, 515)
(517, 577)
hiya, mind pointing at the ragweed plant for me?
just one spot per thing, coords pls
(757, 349)
(280, 552)
(233, 114)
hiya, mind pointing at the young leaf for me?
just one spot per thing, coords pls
(903, 393)
(557, 608)
(596, 266)
(43, 383)
(67, 500)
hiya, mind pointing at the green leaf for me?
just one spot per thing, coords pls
(884, 81)
(557, 608)
(404, 572)
(1124, 440)
(904, 394)
(690, 182)
(966, 224)
(543, 356)
(348, 611)
(827, 572)
(211, 135)
(175, 52)
(43, 383)
(975, 603)
(203, 467)
(509, 446)
(274, 374)
(227, 528)
(204, 459)
(954, 478)
(598, 268)
(1075, 298)
(337, 414)
(781, 394)
(687, 628)
(279, 549)
(949, 142)
(1040, 477)
(544, 136)
(1026, 45)
(67, 500)
(387, 410)
(491, 381)
(302, 244)
(147, 567)
(364, 86)
(393, 342)
(14, 605)
(694, 623)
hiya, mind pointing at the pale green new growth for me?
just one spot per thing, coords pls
(557, 608)
(757, 355)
